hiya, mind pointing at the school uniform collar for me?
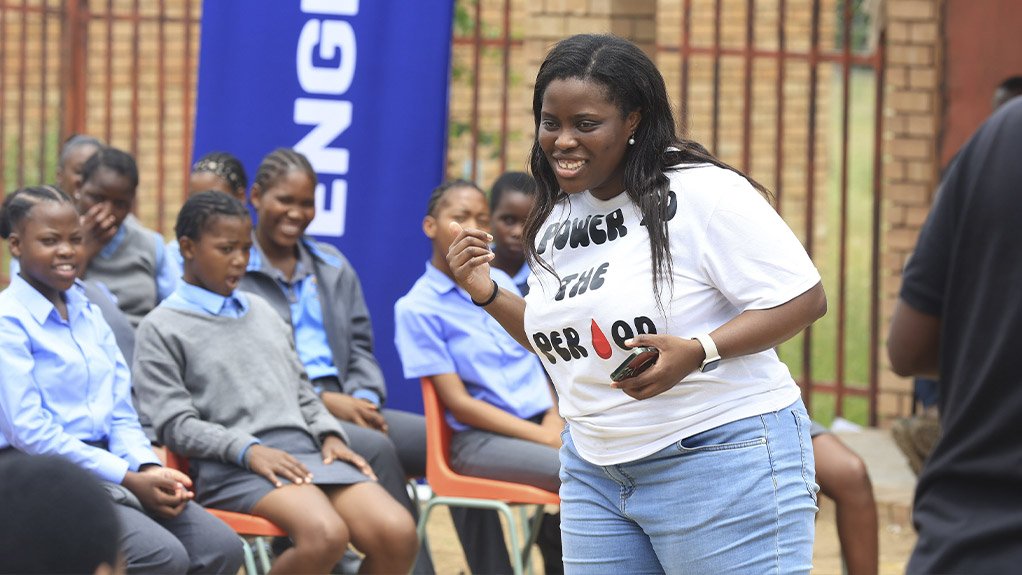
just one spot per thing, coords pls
(439, 282)
(39, 307)
(211, 302)
(307, 254)
(115, 242)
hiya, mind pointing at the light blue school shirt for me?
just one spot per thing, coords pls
(439, 330)
(64, 383)
(188, 297)
(173, 251)
(302, 294)
(196, 299)
(168, 271)
(521, 279)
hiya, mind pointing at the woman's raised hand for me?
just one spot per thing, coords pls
(469, 258)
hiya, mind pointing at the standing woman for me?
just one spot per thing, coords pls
(703, 462)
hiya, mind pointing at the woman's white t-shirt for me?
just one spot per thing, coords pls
(731, 252)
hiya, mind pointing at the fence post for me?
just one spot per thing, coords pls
(76, 26)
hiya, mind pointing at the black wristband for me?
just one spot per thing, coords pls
(492, 297)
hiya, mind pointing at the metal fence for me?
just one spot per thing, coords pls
(786, 90)
(121, 70)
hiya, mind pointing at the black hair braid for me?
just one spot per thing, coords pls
(17, 205)
(202, 208)
(277, 164)
(438, 193)
(223, 165)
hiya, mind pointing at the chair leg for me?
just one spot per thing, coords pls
(250, 564)
(261, 550)
(499, 506)
(532, 534)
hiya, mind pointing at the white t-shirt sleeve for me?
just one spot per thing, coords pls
(750, 254)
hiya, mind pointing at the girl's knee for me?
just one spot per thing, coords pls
(323, 537)
(394, 532)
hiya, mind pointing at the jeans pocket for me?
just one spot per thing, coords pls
(741, 434)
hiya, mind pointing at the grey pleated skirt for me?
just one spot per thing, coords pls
(235, 488)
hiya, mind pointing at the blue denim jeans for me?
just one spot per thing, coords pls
(740, 498)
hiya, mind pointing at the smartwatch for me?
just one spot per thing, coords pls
(710, 350)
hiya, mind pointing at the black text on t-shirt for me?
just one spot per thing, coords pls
(577, 232)
(567, 342)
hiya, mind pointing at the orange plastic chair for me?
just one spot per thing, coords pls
(453, 489)
(243, 524)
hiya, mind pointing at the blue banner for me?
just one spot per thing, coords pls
(361, 89)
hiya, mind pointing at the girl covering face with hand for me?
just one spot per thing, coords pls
(641, 238)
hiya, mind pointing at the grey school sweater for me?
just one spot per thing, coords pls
(130, 273)
(212, 384)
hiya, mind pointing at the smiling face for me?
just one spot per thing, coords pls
(285, 209)
(217, 259)
(48, 245)
(69, 174)
(584, 137)
(110, 187)
(509, 223)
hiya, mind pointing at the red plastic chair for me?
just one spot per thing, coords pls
(243, 524)
(453, 489)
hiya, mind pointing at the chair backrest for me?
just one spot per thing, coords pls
(444, 481)
(175, 461)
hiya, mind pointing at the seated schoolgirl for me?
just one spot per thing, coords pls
(217, 171)
(217, 372)
(498, 399)
(315, 289)
(119, 251)
(511, 198)
(65, 390)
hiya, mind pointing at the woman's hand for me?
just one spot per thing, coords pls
(270, 463)
(469, 257)
(678, 358)
(334, 449)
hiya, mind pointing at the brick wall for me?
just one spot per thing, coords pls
(910, 176)
(139, 81)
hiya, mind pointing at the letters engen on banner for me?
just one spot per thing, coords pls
(325, 62)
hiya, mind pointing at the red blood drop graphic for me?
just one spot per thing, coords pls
(600, 343)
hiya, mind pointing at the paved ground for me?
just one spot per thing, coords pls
(893, 483)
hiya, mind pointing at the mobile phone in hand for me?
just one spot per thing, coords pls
(637, 362)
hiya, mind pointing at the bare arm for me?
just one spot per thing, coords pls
(749, 332)
(913, 343)
(469, 258)
(481, 415)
